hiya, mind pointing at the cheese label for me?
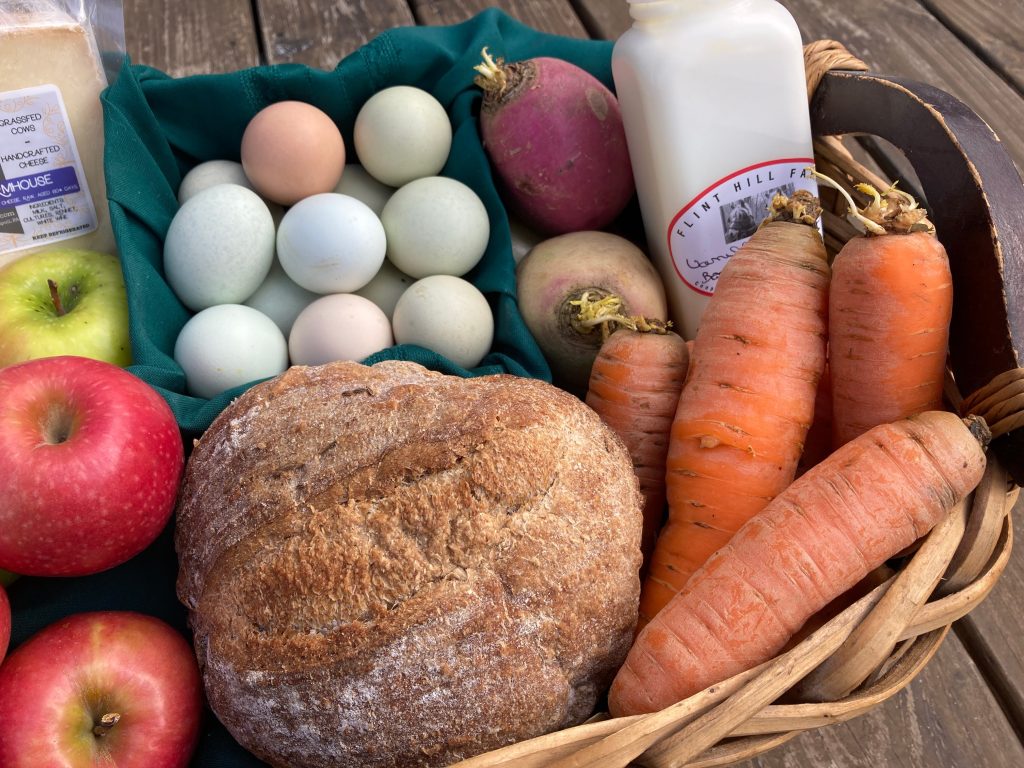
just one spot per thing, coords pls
(44, 197)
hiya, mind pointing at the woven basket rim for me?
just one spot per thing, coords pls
(870, 651)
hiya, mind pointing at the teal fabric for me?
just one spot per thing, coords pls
(158, 127)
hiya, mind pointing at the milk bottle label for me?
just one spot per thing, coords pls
(712, 227)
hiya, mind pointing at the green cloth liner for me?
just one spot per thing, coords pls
(157, 128)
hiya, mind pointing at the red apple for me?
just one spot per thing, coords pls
(104, 688)
(5, 622)
(91, 459)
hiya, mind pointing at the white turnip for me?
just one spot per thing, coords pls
(554, 135)
(563, 272)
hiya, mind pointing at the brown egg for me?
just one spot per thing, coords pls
(291, 150)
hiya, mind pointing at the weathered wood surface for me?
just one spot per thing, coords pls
(191, 38)
(904, 38)
(320, 33)
(953, 713)
(944, 719)
(993, 29)
(558, 17)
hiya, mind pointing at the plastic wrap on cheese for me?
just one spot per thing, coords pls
(52, 188)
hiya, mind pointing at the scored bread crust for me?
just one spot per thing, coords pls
(387, 566)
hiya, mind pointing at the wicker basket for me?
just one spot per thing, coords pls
(874, 648)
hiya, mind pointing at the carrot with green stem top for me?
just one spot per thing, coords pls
(889, 312)
(634, 387)
(866, 502)
(742, 417)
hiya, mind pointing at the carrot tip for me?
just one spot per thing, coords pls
(979, 428)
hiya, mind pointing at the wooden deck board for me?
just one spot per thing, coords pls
(191, 38)
(319, 33)
(993, 631)
(992, 29)
(602, 18)
(932, 54)
(946, 718)
(554, 16)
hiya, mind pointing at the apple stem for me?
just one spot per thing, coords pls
(106, 722)
(55, 298)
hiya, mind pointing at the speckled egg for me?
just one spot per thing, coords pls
(356, 182)
(210, 174)
(219, 247)
(448, 315)
(402, 133)
(280, 298)
(436, 226)
(386, 288)
(228, 345)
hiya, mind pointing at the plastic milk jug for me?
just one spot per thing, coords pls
(714, 103)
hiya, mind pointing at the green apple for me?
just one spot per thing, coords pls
(64, 301)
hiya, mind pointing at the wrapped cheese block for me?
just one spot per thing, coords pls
(51, 132)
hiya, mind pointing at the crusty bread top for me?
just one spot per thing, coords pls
(408, 543)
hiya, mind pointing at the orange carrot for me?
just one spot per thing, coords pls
(749, 400)
(818, 443)
(889, 314)
(820, 537)
(634, 388)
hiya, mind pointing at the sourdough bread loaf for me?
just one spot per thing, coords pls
(387, 566)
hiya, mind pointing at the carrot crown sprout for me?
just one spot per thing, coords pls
(606, 313)
(890, 212)
(801, 208)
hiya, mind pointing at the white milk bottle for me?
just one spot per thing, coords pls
(714, 103)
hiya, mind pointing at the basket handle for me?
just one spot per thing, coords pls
(976, 201)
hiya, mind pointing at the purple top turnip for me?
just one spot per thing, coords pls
(554, 135)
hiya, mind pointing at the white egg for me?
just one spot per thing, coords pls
(280, 298)
(228, 345)
(341, 326)
(523, 238)
(448, 315)
(209, 174)
(331, 243)
(219, 247)
(436, 226)
(386, 287)
(214, 172)
(356, 182)
(402, 133)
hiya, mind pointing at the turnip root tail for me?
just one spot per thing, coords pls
(606, 313)
(892, 212)
(493, 77)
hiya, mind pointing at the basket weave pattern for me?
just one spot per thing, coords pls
(861, 657)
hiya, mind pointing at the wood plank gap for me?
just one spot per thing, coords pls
(590, 24)
(973, 44)
(985, 659)
(417, 16)
(261, 41)
(603, 19)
